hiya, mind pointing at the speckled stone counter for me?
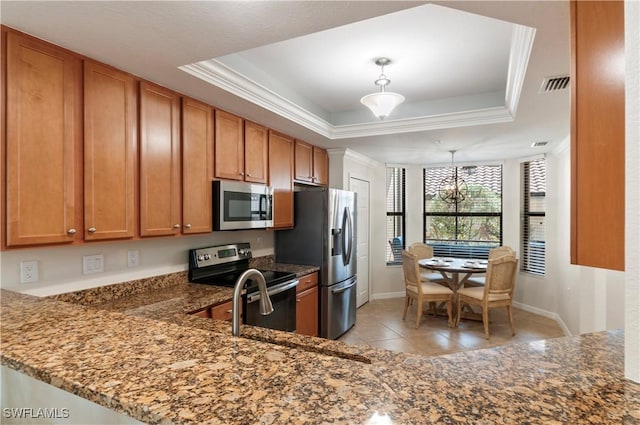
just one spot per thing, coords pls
(157, 364)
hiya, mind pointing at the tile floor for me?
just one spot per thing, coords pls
(379, 324)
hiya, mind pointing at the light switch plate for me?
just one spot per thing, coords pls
(92, 264)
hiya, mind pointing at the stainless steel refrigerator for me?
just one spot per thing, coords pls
(325, 236)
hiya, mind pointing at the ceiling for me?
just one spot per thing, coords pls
(470, 71)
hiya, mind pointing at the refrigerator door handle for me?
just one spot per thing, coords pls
(347, 222)
(342, 289)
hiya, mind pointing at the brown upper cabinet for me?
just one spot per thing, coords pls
(229, 146)
(281, 179)
(197, 166)
(597, 134)
(43, 143)
(160, 188)
(110, 152)
(311, 164)
(241, 149)
(256, 152)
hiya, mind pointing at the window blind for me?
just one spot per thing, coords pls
(533, 217)
(395, 214)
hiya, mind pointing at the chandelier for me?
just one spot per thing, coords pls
(453, 189)
(383, 102)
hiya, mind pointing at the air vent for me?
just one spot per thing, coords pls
(538, 144)
(551, 84)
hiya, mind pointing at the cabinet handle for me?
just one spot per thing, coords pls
(249, 175)
(176, 226)
(229, 311)
(187, 226)
(91, 229)
(242, 174)
(71, 231)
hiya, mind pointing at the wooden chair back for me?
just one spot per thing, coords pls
(421, 250)
(501, 276)
(501, 251)
(411, 271)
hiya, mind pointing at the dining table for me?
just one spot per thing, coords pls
(451, 269)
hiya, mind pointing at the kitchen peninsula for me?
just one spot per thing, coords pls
(141, 354)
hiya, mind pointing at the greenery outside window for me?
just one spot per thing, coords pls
(470, 227)
(533, 217)
(395, 215)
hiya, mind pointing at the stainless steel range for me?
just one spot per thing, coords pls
(222, 265)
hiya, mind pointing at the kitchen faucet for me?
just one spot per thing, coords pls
(265, 302)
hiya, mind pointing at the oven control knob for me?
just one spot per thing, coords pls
(200, 257)
(207, 257)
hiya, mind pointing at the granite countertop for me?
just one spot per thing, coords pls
(140, 354)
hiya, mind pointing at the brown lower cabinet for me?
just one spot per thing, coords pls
(206, 313)
(307, 305)
(223, 311)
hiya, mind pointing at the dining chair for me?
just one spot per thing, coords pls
(422, 251)
(493, 253)
(496, 293)
(422, 291)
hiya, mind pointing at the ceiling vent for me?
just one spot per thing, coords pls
(551, 84)
(538, 144)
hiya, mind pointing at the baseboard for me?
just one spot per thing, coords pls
(544, 313)
(387, 295)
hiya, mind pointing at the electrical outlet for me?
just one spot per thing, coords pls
(28, 271)
(92, 264)
(133, 258)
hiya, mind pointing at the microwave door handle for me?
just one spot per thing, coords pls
(263, 211)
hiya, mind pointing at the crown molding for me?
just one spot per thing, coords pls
(521, 46)
(216, 73)
(220, 75)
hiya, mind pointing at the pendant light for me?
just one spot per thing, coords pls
(453, 189)
(383, 102)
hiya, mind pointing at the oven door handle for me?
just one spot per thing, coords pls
(274, 290)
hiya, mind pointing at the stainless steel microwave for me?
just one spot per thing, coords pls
(239, 205)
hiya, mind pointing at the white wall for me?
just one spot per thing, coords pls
(60, 267)
(632, 219)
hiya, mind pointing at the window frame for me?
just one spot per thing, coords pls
(480, 251)
(394, 214)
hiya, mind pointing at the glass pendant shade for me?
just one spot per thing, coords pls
(382, 103)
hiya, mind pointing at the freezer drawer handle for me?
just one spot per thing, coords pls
(344, 288)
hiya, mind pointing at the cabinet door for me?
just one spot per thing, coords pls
(281, 179)
(304, 162)
(256, 151)
(110, 141)
(223, 311)
(159, 161)
(206, 314)
(320, 166)
(598, 134)
(197, 166)
(307, 312)
(43, 143)
(229, 146)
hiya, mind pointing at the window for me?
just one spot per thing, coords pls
(470, 227)
(533, 217)
(395, 214)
